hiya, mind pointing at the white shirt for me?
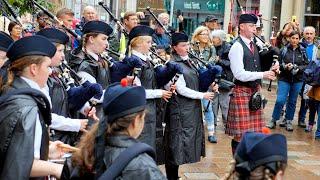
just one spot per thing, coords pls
(236, 63)
(38, 128)
(150, 93)
(62, 123)
(182, 89)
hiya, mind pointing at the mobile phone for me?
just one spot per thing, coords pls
(178, 13)
(294, 18)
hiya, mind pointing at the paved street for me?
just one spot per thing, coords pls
(304, 161)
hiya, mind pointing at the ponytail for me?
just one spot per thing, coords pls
(85, 157)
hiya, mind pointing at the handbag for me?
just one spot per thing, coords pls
(226, 85)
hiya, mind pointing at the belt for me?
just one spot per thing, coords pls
(249, 84)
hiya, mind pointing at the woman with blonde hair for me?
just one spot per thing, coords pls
(202, 45)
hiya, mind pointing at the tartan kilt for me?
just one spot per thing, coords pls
(240, 118)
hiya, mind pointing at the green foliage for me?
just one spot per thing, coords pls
(23, 6)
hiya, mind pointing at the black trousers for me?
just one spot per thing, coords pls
(172, 171)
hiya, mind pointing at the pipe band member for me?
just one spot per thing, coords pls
(5, 42)
(120, 128)
(65, 128)
(184, 132)
(256, 158)
(28, 151)
(246, 67)
(140, 41)
(86, 61)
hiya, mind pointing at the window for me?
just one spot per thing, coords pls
(312, 7)
(312, 15)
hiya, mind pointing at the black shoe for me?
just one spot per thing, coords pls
(212, 139)
(302, 124)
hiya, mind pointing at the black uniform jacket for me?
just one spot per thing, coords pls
(148, 81)
(80, 61)
(184, 133)
(19, 144)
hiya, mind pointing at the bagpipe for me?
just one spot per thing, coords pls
(123, 68)
(269, 55)
(79, 90)
(55, 19)
(165, 71)
(11, 11)
(5, 5)
(158, 21)
(112, 17)
(207, 72)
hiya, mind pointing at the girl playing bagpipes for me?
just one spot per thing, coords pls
(150, 76)
(184, 133)
(65, 96)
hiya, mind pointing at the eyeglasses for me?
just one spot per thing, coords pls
(204, 34)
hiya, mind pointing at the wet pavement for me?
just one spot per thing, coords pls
(303, 149)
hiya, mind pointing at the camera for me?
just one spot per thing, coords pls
(294, 70)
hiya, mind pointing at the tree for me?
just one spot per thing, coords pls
(23, 6)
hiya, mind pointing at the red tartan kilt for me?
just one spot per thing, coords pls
(240, 118)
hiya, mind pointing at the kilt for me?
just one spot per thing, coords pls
(240, 118)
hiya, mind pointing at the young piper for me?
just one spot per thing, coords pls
(257, 158)
(5, 42)
(124, 123)
(24, 138)
(87, 61)
(65, 128)
(139, 44)
(184, 133)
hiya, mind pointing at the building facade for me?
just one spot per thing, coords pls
(307, 12)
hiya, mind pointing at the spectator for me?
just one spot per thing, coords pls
(222, 99)
(15, 30)
(309, 33)
(212, 23)
(292, 62)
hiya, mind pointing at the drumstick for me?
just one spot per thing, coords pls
(68, 147)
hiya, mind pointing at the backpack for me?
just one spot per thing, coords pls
(311, 75)
(124, 158)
